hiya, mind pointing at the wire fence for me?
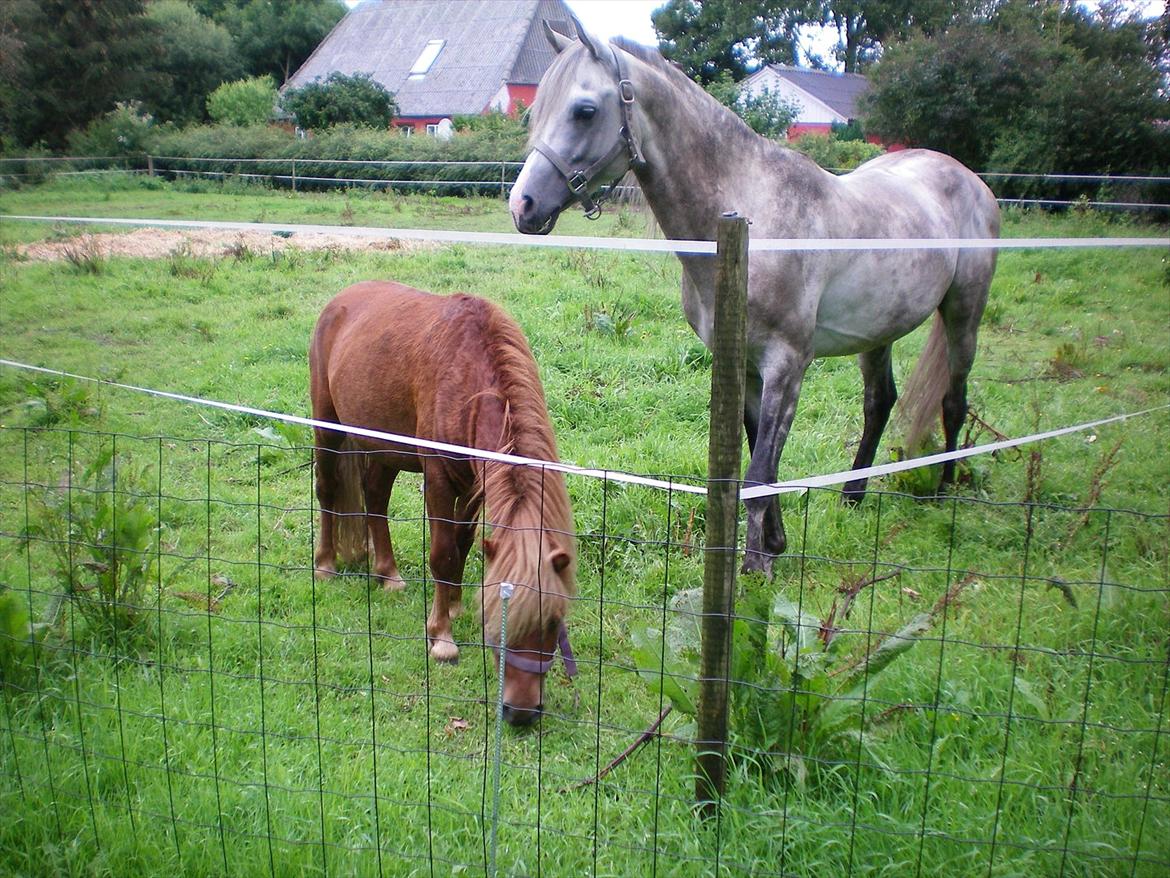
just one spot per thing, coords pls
(1122, 192)
(969, 686)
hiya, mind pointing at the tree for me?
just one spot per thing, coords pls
(1035, 87)
(954, 92)
(767, 113)
(243, 102)
(79, 58)
(277, 36)
(197, 55)
(709, 37)
(356, 99)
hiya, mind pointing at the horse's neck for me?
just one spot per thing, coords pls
(699, 155)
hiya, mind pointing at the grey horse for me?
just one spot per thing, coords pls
(605, 108)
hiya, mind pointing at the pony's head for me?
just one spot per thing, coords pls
(532, 572)
(581, 133)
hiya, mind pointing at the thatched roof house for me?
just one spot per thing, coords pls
(441, 58)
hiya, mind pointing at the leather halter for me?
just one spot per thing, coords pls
(578, 179)
(536, 666)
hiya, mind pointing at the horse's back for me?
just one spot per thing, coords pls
(375, 350)
(915, 176)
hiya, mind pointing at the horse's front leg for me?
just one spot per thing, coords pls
(446, 565)
(781, 376)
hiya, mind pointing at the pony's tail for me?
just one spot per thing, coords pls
(349, 524)
(920, 402)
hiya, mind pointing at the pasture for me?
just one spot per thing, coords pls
(256, 721)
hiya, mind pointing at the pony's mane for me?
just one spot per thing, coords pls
(528, 506)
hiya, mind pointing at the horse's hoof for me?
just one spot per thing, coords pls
(757, 562)
(393, 583)
(852, 498)
(325, 572)
(445, 651)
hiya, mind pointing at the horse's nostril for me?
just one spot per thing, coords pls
(521, 716)
(526, 204)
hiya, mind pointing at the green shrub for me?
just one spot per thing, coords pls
(798, 682)
(102, 535)
(340, 99)
(243, 102)
(125, 130)
(834, 154)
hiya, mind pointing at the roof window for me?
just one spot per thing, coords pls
(425, 60)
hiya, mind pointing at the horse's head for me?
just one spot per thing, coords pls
(532, 575)
(581, 133)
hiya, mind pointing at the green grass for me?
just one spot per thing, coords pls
(298, 728)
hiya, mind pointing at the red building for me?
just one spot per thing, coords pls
(443, 58)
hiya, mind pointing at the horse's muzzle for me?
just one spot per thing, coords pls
(522, 716)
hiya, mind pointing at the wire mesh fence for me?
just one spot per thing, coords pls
(933, 686)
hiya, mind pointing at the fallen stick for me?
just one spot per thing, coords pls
(647, 735)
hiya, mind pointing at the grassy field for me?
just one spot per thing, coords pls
(296, 727)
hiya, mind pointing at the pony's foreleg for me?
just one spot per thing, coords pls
(446, 568)
(378, 483)
(880, 395)
(782, 376)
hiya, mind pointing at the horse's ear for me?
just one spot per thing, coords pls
(560, 560)
(489, 549)
(556, 39)
(588, 40)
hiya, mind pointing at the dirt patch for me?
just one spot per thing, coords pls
(161, 243)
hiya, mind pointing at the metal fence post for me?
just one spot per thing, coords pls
(723, 473)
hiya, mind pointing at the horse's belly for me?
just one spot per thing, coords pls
(864, 312)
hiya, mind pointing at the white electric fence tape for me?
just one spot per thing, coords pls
(746, 493)
(687, 247)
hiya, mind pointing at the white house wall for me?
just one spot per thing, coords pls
(812, 111)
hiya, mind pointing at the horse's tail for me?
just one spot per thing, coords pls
(349, 524)
(920, 402)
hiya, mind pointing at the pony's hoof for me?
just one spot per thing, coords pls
(757, 562)
(445, 651)
(393, 583)
(325, 571)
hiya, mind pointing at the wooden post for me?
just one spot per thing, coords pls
(294, 175)
(149, 165)
(723, 473)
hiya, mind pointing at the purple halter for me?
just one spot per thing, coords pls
(535, 666)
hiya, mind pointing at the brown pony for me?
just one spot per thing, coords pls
(453, 369)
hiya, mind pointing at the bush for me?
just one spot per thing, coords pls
(834, 154)
(767, 113)
(125, 130)
(493, 144)
(102, 534)
(243, 102)
(798, 682)
(339, 100)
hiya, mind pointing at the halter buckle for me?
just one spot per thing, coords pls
(578, 183)
(626, 91)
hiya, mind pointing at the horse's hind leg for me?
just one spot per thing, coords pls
(377, 485)
(325, 454)
(880, 395)
(961, 310)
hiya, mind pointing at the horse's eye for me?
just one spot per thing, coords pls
(584, 112)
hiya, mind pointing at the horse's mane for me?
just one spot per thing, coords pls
(553, 86)
(528, 506)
